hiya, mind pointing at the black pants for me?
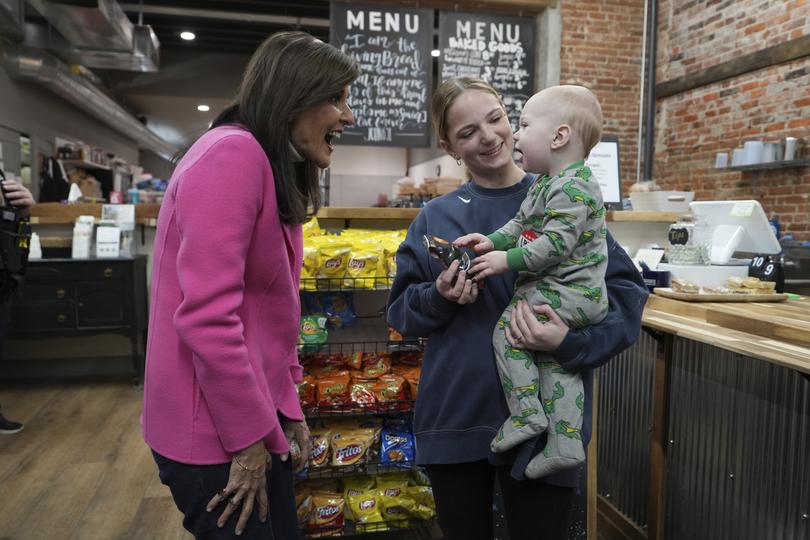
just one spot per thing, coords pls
(192, 486)
(464, 494)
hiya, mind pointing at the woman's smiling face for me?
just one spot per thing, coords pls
(316, 128)
(478, 130)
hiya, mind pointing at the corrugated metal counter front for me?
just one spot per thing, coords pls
(704, 424)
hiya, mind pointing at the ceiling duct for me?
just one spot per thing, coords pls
(100, 35)
(12, 19)
(41, 67)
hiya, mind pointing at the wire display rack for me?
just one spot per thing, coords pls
(331, 472)
(346, 283)
(406, 529)
(354, 409)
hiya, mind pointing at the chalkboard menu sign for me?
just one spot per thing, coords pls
(499, 50)
(390, 99)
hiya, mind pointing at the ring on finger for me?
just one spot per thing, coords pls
(223, 493)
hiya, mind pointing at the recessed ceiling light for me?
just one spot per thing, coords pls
(188, 36)
(203, 108)
(435, 53)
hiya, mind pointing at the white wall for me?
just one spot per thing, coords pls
(358, 174)
(446, 167)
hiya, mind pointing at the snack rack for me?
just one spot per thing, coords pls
(367, 334)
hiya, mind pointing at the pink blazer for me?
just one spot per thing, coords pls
(221, 361)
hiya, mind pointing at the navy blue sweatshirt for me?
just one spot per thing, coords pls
(460, 404)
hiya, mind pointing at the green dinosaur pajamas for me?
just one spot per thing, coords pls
(557, 244)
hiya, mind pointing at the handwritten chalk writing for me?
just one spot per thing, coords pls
(390, 97)
(499, 50)
(382, 22)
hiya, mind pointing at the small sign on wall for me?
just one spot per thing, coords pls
(604, 162)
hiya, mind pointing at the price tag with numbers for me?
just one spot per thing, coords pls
(768, 268)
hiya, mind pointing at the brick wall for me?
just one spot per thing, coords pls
(601, 49)
(768, 104)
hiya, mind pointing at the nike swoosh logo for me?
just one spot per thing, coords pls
(462, 199)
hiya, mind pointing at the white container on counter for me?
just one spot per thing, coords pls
(661, 201)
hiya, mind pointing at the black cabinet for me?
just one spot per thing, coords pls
(83, 297)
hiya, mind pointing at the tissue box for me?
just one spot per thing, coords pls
(108, 241)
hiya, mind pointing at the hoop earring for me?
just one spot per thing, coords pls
(458, 160)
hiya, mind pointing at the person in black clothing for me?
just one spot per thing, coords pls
(460, 405)
(21, 199)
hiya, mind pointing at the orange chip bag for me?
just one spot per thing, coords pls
(334, 389)
(361, 394)
(393, 334)
(390, 388)
(355, 360)
(306, 392)
(377, 365)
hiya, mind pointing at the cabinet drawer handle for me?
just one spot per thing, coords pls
(61, 318)
(108, 272)
(60, 293)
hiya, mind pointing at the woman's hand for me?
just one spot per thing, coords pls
(460, 291)
(247, 485)
(477, 241)
(297, 434)
(527, 332)
(18, 196)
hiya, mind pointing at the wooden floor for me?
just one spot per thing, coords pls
(80, 469)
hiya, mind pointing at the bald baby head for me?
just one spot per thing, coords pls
(573, 105)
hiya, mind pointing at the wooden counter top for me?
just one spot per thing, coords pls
(146, 214)
(777, 332)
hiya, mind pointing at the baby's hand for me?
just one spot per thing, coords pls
(491, 264)
(476, 241)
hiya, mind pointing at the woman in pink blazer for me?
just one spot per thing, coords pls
(220, 401)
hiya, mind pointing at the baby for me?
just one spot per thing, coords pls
(556, 243)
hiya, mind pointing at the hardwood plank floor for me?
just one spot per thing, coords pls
(80, 469)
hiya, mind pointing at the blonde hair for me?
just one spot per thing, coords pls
(578, 107)
(447, 93)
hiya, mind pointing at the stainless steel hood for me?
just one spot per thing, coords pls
(12, 19)
(100, 35)
(42, 67)
(95, 24)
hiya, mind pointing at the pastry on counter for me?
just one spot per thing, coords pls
(684, 286)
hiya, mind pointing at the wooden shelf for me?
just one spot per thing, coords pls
(643, 217)
(773, 165)
(331, 212)
(59, 214)
(89, 165)
(147, 213)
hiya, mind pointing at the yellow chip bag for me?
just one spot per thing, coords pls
(366, 510)
(333, 261)
(396, 506)
(362, 267)
(309, 270)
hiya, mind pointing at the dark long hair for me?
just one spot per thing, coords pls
(289, 73)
